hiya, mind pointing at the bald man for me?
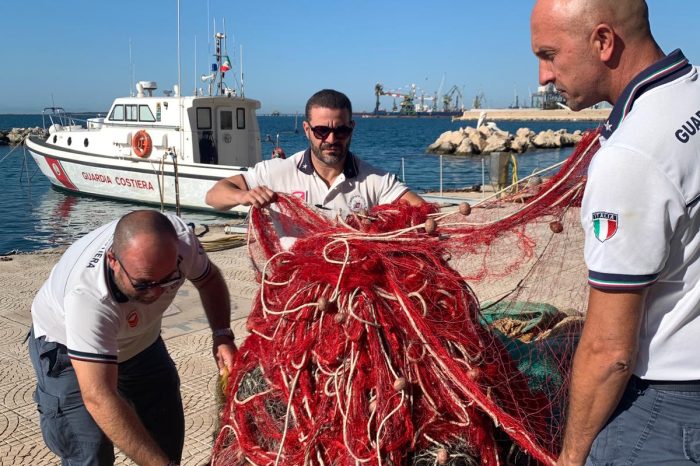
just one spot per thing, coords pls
(635, 386)
(104, 376)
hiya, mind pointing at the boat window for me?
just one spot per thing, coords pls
(117, 113)
(145, 113)
(204, 118)
(226, 119)
(240, 118)
(131, 114)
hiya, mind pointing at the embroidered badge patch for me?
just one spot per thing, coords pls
(357, 203)
(133, 319)
(605, 225)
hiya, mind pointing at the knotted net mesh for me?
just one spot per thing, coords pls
(406, 336)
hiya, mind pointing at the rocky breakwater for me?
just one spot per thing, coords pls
(489, 138)
(16, 135)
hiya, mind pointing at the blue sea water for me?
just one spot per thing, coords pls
(34, 216)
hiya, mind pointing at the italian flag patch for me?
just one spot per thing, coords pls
(604, 225)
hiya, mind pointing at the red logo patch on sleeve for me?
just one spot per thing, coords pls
(133, 319)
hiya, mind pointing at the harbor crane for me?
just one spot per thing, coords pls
(408, 106)
(479, 100)
(455, 93)
(547, 98)
(378, 91)
(409, 99)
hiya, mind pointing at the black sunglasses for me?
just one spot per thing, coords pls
(322, 132)
(143, 286)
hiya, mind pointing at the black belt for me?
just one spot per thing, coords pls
(668, 385)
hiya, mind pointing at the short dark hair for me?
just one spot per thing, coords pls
(139, 222)
(328, 98)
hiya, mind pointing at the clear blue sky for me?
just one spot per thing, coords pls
(78, 50)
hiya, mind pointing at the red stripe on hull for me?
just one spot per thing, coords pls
(60, 173)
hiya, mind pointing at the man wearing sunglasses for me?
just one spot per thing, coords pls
(326, 175)
(104, 376)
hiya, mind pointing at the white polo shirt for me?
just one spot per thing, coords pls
(81, 307)
(359, 186)
(641, 213)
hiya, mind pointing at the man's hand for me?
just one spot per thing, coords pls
(258, 197)
(233, 191)
(224, 351)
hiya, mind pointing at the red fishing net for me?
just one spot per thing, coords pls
(406, 336)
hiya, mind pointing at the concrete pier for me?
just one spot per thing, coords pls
(534, 114)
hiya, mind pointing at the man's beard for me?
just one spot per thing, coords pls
(145, 299)
(139, 297)
(328, 159)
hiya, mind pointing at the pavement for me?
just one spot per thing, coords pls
(185, 332)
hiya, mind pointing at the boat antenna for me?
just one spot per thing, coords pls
(131, 72)
(219, 36)
(181, 129)
(195, 65)
(215, 72)
(242, 90)
(224, 52)
(179, 67)
(208, 30)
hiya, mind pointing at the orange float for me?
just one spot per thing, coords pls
(142, 144)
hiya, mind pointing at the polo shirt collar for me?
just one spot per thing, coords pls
(669, 68)
(112, 285)
(350, 170)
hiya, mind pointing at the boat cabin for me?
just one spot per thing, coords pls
(217, 130)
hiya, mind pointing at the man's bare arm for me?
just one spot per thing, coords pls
(217, 306)
(603, 364)
(230, 192)
(116, 418)
(412, 198)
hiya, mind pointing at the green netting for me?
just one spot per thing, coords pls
(521, 327)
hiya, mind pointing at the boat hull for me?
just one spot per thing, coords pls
(132, 179)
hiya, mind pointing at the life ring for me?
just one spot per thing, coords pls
(142, 144)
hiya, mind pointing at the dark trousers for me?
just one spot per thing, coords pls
(148, 381)
(654, 424)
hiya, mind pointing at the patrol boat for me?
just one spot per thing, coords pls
(164, 149)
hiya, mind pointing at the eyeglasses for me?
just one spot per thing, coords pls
(340, 132)
(143, 286)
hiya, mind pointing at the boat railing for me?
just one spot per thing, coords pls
(58, 118)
